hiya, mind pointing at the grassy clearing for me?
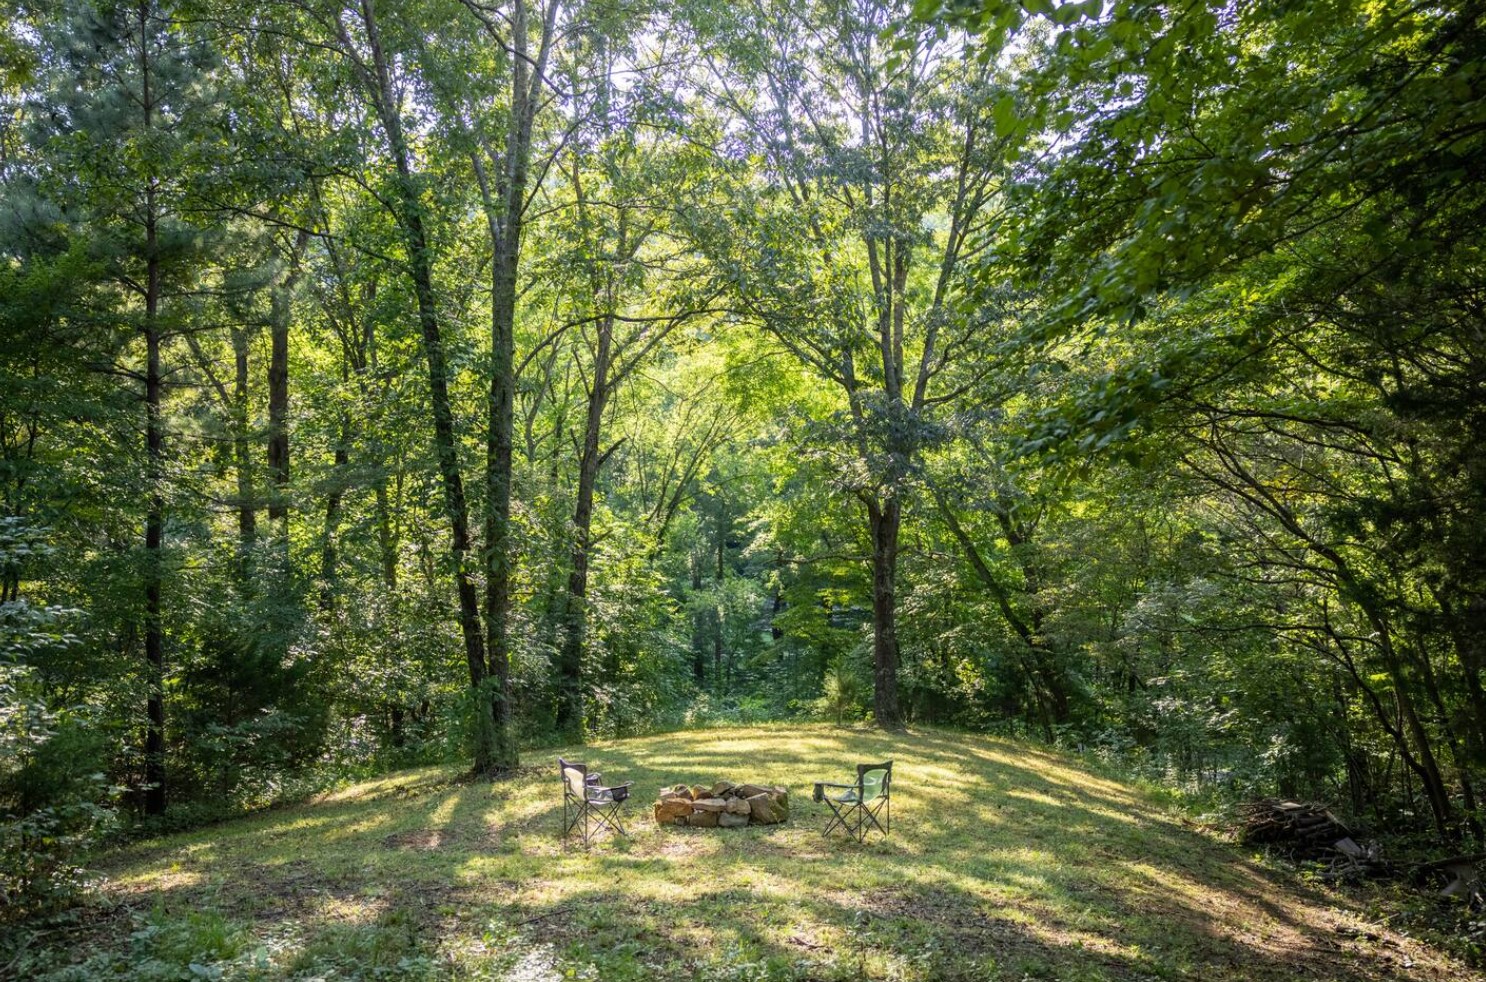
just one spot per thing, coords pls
(1005, 863)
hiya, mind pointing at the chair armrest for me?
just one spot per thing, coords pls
(820, 789)
(618, 792)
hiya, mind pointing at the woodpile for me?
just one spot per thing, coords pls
(1309, 832)
(723, 805)
(1301, 830)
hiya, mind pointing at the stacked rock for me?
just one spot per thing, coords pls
(723, 805)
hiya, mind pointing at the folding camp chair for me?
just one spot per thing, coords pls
(586, 804)
(857, 807)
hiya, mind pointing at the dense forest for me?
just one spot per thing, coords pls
(387, 381)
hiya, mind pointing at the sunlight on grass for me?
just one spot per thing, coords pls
(1004, 862)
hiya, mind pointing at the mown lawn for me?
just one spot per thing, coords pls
(1005, 863)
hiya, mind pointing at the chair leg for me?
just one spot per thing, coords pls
(839, 819)
(609, 818)
(869, 816)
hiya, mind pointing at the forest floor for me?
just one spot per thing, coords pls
(1005, 862)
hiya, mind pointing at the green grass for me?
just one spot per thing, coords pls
(1005, 862)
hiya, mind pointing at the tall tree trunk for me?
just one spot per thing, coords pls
(386, 536)
(698, 626)
(420, 265)
(722, 673)
(570, 660)
(500, 434)
(242, 448)
(154, 637)
(281, 313)
(505, 205)
(329, 558)
(278, 409)
(885, 519)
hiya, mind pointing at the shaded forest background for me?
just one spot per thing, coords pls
(388, 382)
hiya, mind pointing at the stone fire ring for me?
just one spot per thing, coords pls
(723, 805)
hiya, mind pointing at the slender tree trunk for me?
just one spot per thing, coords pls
(505, 203)
(278, 409)
(281, 315)
(386, 537)
(329, 558)
(723, 672)
(570, 662)
(420, 266)
(885, 520)
(505, 756)
(698, 626)
(154, 638)
(247, 513)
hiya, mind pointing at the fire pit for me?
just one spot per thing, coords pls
(723, 805)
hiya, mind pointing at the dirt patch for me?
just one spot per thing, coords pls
(419, 839)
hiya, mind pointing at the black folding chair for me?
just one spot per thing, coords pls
(858, 807)
(586, 804)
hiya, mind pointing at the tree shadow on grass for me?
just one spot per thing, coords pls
(1005, 862)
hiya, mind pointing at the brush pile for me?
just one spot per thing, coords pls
(1309, 832)
(1300, 830)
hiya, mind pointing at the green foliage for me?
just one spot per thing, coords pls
(1106, 375)
(54, 799)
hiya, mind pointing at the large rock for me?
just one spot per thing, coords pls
(738, 806)
(769, 808)
(732, 820)
(721, 788)
(672, 810)
(749, 790)
(697, 791)
(703, 819)
(710, 805)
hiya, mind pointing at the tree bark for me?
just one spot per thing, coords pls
(247, 512)
(570, 661)
(505, 756)
(280, 318)
(409, 215)
(154, 638)
(505, 206)
(885, 520)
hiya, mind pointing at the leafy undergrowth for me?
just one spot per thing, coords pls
(1005, 862)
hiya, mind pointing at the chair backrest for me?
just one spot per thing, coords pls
(574, 777)
(875, 780)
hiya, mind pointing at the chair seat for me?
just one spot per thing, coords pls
(602, 796)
